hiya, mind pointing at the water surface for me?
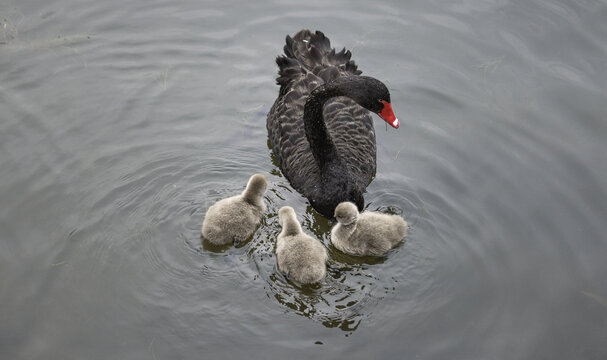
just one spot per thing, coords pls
(122, 122)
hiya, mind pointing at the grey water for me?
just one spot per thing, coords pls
(121, 122)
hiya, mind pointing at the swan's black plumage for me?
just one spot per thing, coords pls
(329, 158)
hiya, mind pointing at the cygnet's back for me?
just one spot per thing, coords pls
(298, 255)
(367, 233)
(234, 219)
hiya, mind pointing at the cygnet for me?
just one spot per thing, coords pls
(298, 255)
(234, 219)
(366, 233)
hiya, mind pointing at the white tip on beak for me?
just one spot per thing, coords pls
(395, 123)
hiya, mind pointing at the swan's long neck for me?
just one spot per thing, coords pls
(290, 226)
(253, 196)
(322, 145)
(337, 183)
(345, 231)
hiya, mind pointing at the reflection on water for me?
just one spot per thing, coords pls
(342, 300)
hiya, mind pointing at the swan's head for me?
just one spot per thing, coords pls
(371, 94)
(285, 214)
(257, 185)
(346, 213)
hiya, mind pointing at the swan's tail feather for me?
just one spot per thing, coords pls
(288, 69)
(312, 52)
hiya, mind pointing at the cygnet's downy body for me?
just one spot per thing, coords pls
(367, 233)
(298, 255)
(234, 219)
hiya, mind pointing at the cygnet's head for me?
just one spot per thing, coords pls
(257, 185)
(284, 214)
(346, 213)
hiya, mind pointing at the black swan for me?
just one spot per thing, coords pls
(319, 128)
(367, 233)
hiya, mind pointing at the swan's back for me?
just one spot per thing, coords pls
(234, 219)
(302, 258)
(308, 62)
(231, 220)
(298, 255)
(371, 233)
(389, 228)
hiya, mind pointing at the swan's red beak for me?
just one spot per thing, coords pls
(388, 115)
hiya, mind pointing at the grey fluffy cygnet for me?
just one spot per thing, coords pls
(367, 233)
(299, 256)
(234, 219)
